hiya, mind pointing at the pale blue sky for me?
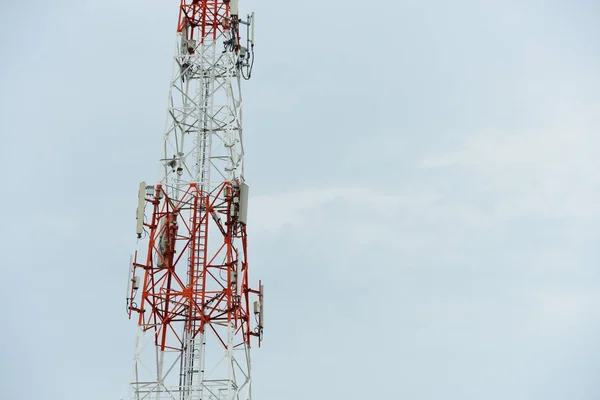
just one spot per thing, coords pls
(425, 195)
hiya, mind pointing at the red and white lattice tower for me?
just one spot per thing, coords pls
(189, 288)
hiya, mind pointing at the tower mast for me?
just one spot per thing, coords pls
(189, 288)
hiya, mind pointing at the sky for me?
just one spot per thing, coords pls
(424, 209)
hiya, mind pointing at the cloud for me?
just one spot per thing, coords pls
(559, 310)
(301, 207)
(547, 171)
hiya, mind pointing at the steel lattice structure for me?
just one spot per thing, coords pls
(189, 287)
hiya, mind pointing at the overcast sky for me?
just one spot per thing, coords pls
(425, 195)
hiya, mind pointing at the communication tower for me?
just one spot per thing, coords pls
(189, 288)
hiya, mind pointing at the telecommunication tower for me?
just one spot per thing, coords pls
(189, 288)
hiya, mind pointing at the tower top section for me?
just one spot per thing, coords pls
(204, 19)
